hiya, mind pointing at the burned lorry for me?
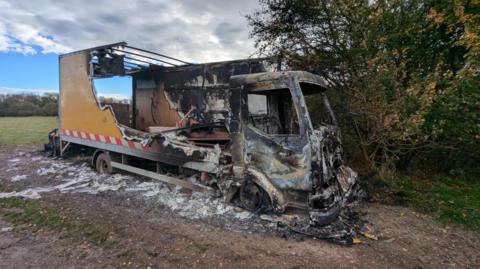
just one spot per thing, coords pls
(243, 129)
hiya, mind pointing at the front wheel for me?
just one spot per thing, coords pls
(253, 197)
(327, 203)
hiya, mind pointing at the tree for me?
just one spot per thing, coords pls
(408, 70)
(29, 105)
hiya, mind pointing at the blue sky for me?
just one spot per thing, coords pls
(34, 33)
(39, 72)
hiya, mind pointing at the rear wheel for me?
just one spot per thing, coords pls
(103, 163)
(53, 146)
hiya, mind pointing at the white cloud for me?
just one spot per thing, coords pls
(192, 30)
(7, 43)
(115, 96)
(29, 35)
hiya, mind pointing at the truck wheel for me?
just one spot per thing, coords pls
(253, 197)
(103, 164)
(327, 216)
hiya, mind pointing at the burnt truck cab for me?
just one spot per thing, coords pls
(243, 131)
(276, 147)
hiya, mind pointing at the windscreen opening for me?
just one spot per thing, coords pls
(317, 104)
(273, 112)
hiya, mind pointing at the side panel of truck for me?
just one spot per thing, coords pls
(84, 121)
(79, 110)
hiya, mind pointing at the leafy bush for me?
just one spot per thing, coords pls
(404, 75)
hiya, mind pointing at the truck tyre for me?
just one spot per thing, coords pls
(53, 146)
(254, 198)
(326, 216)
(103, 163)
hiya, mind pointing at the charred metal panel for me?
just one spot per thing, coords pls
(108, 65)
(210, 74)
(210, 104)
(288, 167)
(152, 106)
(121, 112)
(201, 90)
(284, 159)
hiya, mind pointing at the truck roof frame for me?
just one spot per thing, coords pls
(135, 59)
(138, 60)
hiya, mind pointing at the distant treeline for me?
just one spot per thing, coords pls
(12, 105)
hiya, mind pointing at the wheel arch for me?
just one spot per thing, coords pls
(277, 198)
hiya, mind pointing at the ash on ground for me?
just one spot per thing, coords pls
(74, 176)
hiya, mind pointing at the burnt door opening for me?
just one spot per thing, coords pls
(273, 112)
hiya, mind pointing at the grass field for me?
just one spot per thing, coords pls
(450, 200)
(22, 211)
(25, 130)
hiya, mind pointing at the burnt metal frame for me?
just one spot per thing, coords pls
(158, 54)
(143, 56)
(135, 54)
(94, 48)
(133, 57)
(152, 156)
(152, 56)
(163, 178)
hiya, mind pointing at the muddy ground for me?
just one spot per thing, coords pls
(145, 224)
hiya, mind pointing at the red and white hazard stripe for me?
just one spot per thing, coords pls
(103, 138)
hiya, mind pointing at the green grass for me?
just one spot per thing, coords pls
(451, 201)
(34, 216)
(25, 130)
